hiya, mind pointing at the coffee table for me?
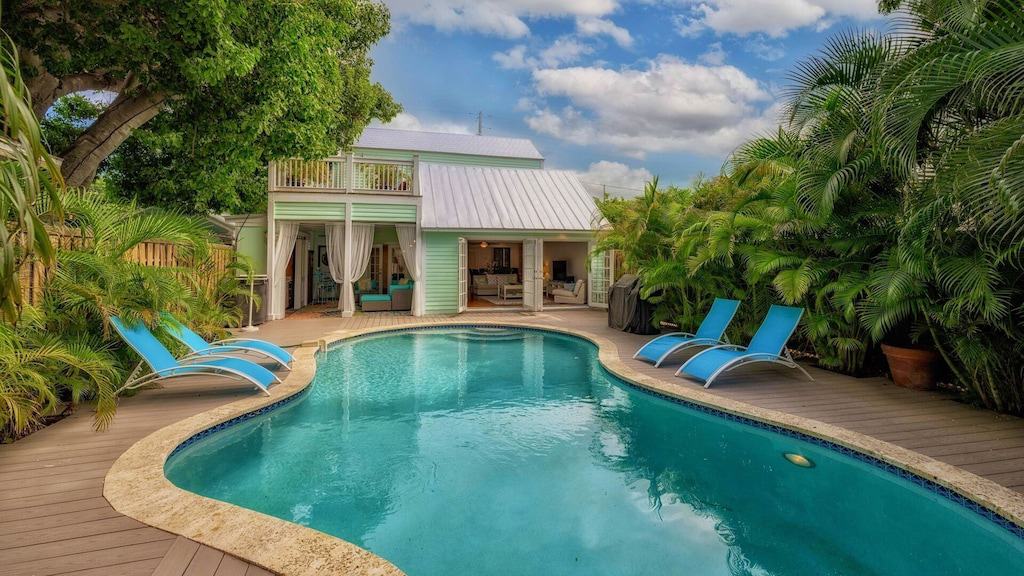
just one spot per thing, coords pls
(509, 291)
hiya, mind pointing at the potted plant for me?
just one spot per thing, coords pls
(912, 365)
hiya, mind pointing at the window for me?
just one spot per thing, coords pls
(502, 258)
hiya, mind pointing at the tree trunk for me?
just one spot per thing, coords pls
(113, 127)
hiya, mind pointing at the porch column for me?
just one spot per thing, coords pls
(348, 308)
(269, 303)
(420, 291)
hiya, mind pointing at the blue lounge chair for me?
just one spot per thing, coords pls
(164, 365)
(709, 333)
(199, 346)
(767, 345)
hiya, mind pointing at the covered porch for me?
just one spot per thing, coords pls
(343, 255)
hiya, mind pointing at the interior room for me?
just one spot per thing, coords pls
(565, 273)
(495, 273)
(311, 286)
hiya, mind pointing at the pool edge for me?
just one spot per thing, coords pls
(136, 486)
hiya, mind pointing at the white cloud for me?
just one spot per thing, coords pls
(615, 178)
(688, 27)
(564, 50)
(760, 47)
(670, 105)
(772, 17)
(505, 18)
(714, 55)
(590, 26)
(407, 121)
(515, 58)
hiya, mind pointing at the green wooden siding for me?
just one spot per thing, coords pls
(441, 263)
(252, 242)
(309, 210)
(362, 212)
(447, 158)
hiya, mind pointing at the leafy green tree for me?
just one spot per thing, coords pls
(69, 117)
(162, 165)
(246, 81)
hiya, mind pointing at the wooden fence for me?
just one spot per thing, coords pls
(33, 273)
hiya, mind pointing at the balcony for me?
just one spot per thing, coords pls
(345, 175)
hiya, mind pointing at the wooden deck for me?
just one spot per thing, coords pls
(54, 519)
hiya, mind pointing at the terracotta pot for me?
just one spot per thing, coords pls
(912, 367)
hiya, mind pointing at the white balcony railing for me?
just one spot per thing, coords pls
(345, 175)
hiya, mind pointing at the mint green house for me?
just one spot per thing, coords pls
(427, 223)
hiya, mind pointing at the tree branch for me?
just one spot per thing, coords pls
(46, 88)
(114, 126)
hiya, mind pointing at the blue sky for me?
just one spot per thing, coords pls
(617, 90)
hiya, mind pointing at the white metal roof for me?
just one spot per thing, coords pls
(391, 139)
(480, 198)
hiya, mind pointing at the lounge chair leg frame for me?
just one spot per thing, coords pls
(154, 377)
(785, 359)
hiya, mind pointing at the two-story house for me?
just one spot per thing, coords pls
(457, 221)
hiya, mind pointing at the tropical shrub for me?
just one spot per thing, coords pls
(889, 204)
(30, 182)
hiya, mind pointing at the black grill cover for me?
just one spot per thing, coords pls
(627, 311)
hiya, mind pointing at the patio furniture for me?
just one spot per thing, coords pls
(164, 365)
(375, 302)
(363, 287)
(509, 291)
(401, 296)
(200, 346)
(325, 289)
(767, 345)
(490, 284)
(709, 333)
(578, 294)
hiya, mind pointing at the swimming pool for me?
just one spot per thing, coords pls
(483, 451)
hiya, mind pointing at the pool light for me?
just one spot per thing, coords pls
(798, 460)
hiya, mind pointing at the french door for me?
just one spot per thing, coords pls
(533, 274)
(602, 274)
(463, 275)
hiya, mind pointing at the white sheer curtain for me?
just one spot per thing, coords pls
(336, 251)
(362, 245)
(407, 240)
(284, 243)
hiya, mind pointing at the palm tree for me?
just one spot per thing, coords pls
(950, 123)
(40, 367)
(100, 279)
(30, 180)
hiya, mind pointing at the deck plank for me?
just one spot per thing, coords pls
(231, 566)
(205, 562)
(177, 559)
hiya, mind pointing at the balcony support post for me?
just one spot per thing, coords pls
(350, 174)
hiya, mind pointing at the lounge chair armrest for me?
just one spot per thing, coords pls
(197, 357)
(204, 352)
(669, 335)
(725, 347)
(230, 340)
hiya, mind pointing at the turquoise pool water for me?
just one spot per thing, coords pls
(493, 452)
